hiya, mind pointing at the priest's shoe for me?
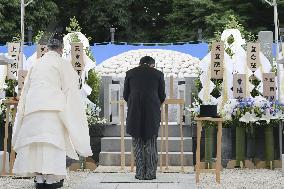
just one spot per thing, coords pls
(40, 185)
(59, 184)
(55, 185)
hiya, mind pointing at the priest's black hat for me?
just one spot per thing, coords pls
(56, 39)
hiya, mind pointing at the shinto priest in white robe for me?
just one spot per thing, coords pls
(51, 121)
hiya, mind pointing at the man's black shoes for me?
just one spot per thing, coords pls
(50, 186)
(150, 178)
(145, 178)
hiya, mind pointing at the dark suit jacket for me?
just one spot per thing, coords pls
(144, 91)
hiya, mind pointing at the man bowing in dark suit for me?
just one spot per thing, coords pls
(144, 92)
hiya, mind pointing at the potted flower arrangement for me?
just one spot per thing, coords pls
(241, 114)
(270, 113)
(250, 113)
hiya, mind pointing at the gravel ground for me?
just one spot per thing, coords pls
(230, 178)
(239, 179)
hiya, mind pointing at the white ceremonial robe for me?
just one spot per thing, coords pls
(51, 119)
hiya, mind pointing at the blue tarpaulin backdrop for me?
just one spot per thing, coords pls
(105, 51)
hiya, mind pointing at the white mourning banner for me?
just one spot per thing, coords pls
(217, 60)
(239, 86)
(14, 52)
(41, 50)
(77, 60)
(77, 57)
(253, 60)
(269, 86)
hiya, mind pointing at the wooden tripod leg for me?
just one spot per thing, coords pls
(5, 140)
(219, 144)
(197, 167)
(13, 154)
(167, 135)
(162, 138)
(122, 147)
(181, 139)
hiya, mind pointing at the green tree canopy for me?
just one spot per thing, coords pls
(38, 15)
(211, 16)
(140, 20)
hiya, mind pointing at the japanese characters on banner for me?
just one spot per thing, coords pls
(269, 86)
(217, 60)
(253, 59)
(41, 50)
(239, 86)
(77, 59)
(21, 80)
(13, 51)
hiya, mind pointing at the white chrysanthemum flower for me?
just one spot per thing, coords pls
(280, 115)
(260, 101)
(249, 118)
(266, 117)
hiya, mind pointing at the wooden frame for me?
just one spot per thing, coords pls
(219, 145)
(9, 102)
(165, 119)
(122, 138)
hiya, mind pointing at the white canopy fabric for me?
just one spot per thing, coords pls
(5, 59)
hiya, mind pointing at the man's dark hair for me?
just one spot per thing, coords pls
(147, 60)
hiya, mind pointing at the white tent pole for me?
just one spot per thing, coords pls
(22, 34)
(278, 73)
(23, 5)
(274, 4)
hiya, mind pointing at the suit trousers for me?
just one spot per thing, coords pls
(146, 154)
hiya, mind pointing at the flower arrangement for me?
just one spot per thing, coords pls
(93, 114)
(256, 110)
(252, 112)
(194, 109)
(92, 78)
(239, 110)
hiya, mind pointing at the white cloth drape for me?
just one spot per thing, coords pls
(38, 155)
(42, 158)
